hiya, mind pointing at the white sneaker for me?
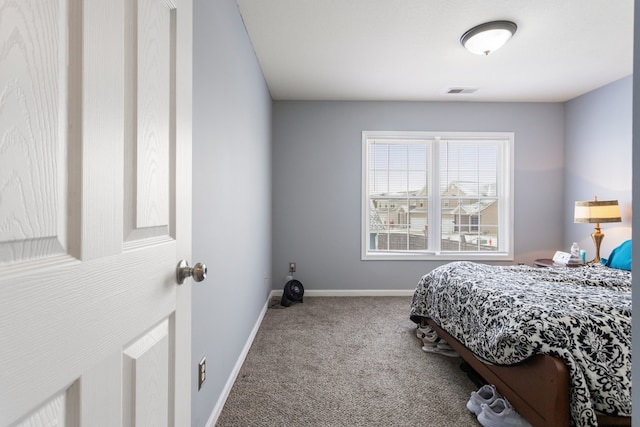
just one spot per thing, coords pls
(486, 395)
(432, 343)
(443, 345)
(427, 334)
(431, 348)
(501, 414)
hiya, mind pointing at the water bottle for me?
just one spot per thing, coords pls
(575, 254)
(575, 250)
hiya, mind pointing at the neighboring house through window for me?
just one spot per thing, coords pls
(445, 195)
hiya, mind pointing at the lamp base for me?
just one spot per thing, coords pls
(597, 237)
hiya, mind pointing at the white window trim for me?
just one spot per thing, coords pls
(505, 190)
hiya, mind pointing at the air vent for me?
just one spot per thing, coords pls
(459, 90)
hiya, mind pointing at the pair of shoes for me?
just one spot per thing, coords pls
(427, 334)
(439, 347)
(486, 395)
(500, 413)
(432, 343)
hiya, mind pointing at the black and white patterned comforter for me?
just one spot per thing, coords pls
(506, 314)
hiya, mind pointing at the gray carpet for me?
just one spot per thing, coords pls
(351, 361)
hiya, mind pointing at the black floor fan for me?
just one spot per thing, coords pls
(293, 292)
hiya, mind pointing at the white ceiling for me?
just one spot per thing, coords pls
(410, 49)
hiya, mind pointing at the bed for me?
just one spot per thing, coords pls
(556, 342)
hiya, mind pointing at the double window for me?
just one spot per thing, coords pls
(444, 195)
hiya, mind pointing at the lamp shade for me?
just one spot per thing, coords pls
(596, 211)
(488, 37)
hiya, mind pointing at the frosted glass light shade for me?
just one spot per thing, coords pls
(488, 37)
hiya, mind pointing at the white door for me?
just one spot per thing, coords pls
(95, 212)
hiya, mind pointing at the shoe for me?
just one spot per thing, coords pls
(486, 395)
(501, 414)
(432, 345)
(443, 345)
(431, 348)
(426, 334)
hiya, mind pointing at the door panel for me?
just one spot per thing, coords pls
(150, 126)
(146, 393)
(51, 413)
(95, 211)
(153, 95)
(33, 142)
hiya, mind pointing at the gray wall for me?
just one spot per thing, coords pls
(598, 143)
(317, 183)
(231, 194)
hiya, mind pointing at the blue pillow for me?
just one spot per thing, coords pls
(620, 257)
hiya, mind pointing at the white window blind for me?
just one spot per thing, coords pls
(437, 195)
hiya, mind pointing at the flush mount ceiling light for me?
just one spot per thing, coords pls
(488, 37)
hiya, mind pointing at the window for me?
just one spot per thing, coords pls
(440, 195)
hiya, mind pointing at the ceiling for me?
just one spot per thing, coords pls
(410, 49)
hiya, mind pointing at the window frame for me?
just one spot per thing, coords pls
(504, 193)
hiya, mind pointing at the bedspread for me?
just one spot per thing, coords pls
(506, 314)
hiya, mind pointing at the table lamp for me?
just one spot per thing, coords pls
(594, 212)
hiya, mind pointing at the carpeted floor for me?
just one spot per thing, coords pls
(351, 361)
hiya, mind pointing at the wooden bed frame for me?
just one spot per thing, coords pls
(537, 388)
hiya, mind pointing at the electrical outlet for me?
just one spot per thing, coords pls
(202, 372)
(292, 267)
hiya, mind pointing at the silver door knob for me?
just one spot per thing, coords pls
(198, 272)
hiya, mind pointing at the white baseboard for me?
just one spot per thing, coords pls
(352, 293)
(213, 418)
